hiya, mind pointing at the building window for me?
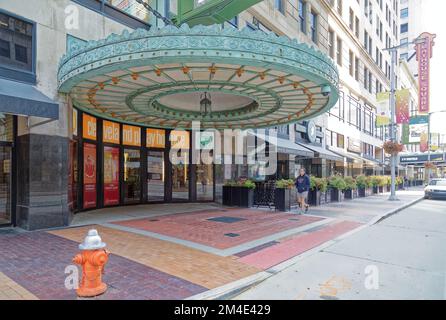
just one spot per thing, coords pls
(404, 41)
(351, 62)
(339, 7)
(313, 26)
(357, 69)
(366, 72)
(404, 13)
(404, 56)
(339, 51)
(404, 27)
(351, 19)
(357, 27)
(280, 5)
(302, 8)
(331, 39)
(5, 49)
(16, 48)
(133, 8)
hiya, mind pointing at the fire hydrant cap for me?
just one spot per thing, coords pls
(92, 241)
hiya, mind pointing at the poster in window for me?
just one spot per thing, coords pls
(89, 175)
(111, 176)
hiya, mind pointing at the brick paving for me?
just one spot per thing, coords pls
(196, 227)
(204, 269)
(296, 245)
(36, 261)
(11, 290)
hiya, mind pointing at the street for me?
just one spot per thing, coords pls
(401, 257)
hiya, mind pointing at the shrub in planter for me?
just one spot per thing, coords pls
(362, 184)
(247, 193)
(282, 194)
(350, 188)
(400, 183)
(375, 180)
(318, 188)
(382, 182)
(239, 193)
(337, 185)
(388, 183)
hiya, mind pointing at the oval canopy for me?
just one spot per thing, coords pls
(159, 78)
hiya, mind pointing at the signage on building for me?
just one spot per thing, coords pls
(436, 157)
(155, 138)
(402, 106)
(111, 176)
(89, 175)
(179, 139)
(131, 135)
(424, 54)
(89, 127)
(204, 140)
(354, 145)
(110, 132)
(416, 131)
(311, 131)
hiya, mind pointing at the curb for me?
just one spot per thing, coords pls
(394, 211)
(233, 289)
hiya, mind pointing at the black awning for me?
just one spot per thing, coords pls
(24, 99)
(322, 152)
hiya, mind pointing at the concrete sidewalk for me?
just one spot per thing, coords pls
(368, 210)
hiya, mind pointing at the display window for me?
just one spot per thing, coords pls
(89, 176)
(111, 176)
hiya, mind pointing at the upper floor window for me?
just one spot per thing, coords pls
(331, 44)
(404, 27)
(404, 13)
(339, 8)
(339, 51)
(133, 8)
(280, 5)
(302, 8)
(16, 44)
(313, 26)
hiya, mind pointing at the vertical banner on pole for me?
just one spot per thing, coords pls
(383, 109)
(402, 106)
(424, 54)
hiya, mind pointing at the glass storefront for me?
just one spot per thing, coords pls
(132, 176)
(116, 164)
(155, 176)
(5, 185)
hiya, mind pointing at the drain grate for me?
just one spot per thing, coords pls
(294, 219)
(226, 219)
(232, 235)
(153, 220)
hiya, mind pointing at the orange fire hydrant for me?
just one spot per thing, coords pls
(92, 259)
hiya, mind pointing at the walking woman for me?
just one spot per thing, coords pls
(302, 186)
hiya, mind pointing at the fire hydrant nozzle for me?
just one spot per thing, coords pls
(92, 259)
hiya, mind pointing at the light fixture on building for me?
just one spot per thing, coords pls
(205, 104)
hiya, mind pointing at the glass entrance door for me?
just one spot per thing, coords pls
(180, 178)
(132, 176)
(155, 176)
(5, 185)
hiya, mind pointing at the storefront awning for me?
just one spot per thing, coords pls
(287, 146)
(24, 99)
(162, 77)
(322, 153)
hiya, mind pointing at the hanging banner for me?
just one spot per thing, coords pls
(382, 109)
(89, 127)
(110, 132)
(179, 139)
(418, 126)
(405, 134)
(111, 176)
(424, 144)
(89, 175)
(424, 54)
(402, 106)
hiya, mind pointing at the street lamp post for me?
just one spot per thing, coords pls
(394, 55)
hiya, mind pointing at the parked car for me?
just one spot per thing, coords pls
(436, 189)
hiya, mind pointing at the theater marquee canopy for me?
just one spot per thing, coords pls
(159, 78)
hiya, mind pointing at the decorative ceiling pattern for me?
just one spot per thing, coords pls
(142, 77)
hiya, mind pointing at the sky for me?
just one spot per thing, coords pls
(433, 21)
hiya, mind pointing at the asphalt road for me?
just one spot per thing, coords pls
(402, 257)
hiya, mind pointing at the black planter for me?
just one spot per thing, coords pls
(326, 196)
(336, 195)
(235, 196)
(282, 199)
(349, 194)
(375, 189)
(314, 197)
(227, 195)
(246, 197)
(362, 192)
(400, 186)
(381, 189)
(388, 188)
